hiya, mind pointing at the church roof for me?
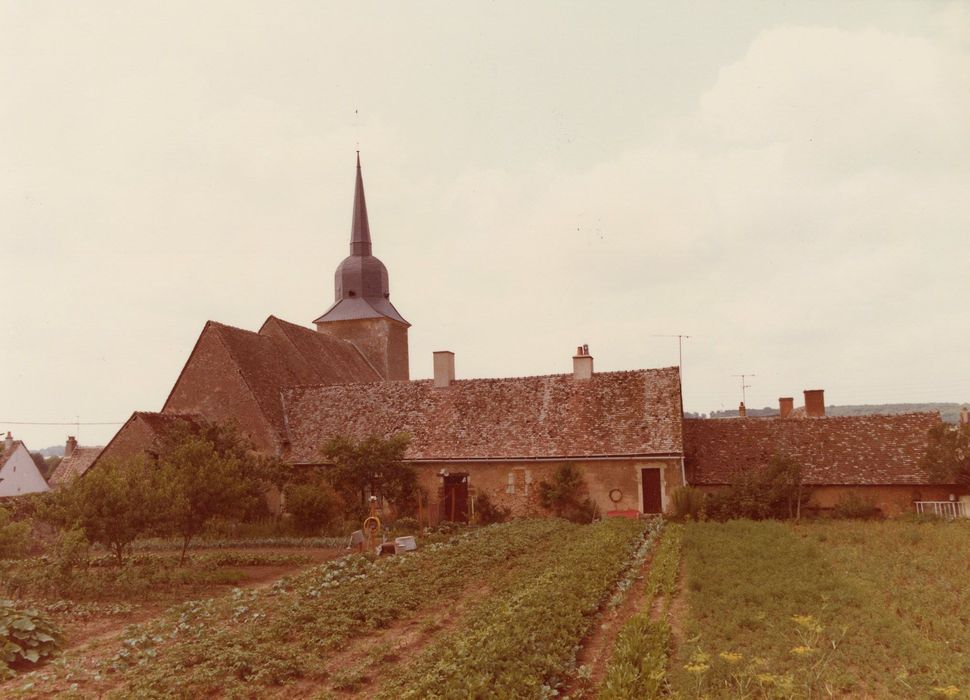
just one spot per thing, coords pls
(284, 354)
(617, 414)
(843, 450)
(361, 287)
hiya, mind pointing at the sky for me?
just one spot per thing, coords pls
(788, 183)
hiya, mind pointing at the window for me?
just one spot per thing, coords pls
(520, 482)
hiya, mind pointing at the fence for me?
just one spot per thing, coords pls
(942, 509)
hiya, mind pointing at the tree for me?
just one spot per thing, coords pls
(947, 457)
(372, 466)
(775, 490)
(112, 504)
(567, 495)
(313, 503)
(199, 484)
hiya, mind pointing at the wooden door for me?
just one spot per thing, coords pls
(652, 495)
(456, 498)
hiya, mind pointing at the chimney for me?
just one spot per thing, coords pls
(8, 443)
(582, 363)
(742, 411)
(444, 368)
(815, 403)
(964, 416)
(70, 446)
(786, 405)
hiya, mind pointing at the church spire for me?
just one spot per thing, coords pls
(360, 228)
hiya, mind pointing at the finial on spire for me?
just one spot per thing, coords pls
(360, 243)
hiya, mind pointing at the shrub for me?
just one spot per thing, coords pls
(566, 495)
(71, 551)
(26, 637)
(14, 537)
(487, 512)
(772, 491)
(687, 503)
(855, 507)
(314, 505)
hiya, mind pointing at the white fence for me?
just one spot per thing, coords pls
(942, 509)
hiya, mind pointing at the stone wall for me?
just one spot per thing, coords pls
(383, 342)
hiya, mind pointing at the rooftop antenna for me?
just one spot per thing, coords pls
(744, 386)
(680, 347)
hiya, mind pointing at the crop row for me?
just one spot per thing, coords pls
(638, 666)
(245, 643)
(521, 642)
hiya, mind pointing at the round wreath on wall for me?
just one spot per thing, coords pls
(616, 495)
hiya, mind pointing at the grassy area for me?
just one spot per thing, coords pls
(846, 609)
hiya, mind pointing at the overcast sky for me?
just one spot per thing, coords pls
(788, 183)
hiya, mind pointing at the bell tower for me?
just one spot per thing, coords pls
(362, 312)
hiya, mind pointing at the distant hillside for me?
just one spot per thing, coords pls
(950, 412)
(52, 451)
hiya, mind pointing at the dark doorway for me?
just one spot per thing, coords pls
(454, 500)
(652, 499)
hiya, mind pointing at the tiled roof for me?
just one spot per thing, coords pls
(162, 424)
(74, 466)
(849, 450)
(613, 413)
(283, 354)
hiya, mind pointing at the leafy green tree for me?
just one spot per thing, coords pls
(567, 495)
(776, 490)
(313, 503)
(947, 456)
(372, 466)
(14, 536)
(199, 483)
(113, 504)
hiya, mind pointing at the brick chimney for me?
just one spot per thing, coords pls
(786, 405)
(964, 416)
(742, 411)
(70, 446)
(8, 442)
(444, 368)
(582, 363)
(815, 403)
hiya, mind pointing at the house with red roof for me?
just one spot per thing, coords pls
(75, 462)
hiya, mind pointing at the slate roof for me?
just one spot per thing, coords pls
(847, 450)
(554, 416)
(70, 468)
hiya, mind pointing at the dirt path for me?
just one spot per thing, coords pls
(597, 648)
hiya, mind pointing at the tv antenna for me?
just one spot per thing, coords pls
(744, 386)
(680, 346)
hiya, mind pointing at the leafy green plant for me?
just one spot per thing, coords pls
(567, 495)
(488, 512)
(27, 637)
(775, 490)
(854, 506)
(687, 503)
(372, 466)
(14, 536)
(313, 504)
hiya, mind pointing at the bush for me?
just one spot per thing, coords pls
(71, 551)
(314, 505)
(772, 491)
(14, 537)
(566, 495)
(687, 503)
(854, 507)
(487, 512)
(26, 637)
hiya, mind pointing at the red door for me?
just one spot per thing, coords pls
(652, 498)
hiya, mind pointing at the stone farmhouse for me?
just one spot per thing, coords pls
(290, 388)
(18, 473)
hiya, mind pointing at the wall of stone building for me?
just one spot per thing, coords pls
(515, 484)
(382, 341)
(891, 500)
(211, 386)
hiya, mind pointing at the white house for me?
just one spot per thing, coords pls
(18, 473)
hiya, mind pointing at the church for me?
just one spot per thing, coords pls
(290, 388)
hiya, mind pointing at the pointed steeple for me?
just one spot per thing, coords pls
(360, 228)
